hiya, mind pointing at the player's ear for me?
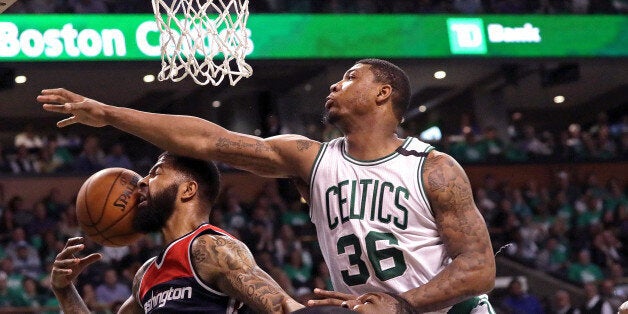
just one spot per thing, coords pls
(188, 189)
(383, 94)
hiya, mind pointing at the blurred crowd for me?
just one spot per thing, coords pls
(32, 153)
(521, 142)
(347, 6)
(573, 230)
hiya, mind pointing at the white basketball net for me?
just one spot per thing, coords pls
(205, 39)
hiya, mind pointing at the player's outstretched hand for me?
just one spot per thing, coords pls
(82, 109)
(67, 266)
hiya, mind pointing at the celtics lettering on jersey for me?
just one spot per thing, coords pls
(374, 224)
(364, 199)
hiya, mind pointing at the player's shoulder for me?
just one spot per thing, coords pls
(214, 248)
(436, 158)
(214, 255)
(441, 172)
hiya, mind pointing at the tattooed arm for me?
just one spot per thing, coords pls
(464, 234)
(279, 156)
(227, 264)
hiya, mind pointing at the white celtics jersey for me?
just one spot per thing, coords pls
(374, 223)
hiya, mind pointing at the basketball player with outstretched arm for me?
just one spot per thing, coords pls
(201, 270)
(395, 219)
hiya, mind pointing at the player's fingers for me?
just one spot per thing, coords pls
(54, 108)
(65, 263)
(73, 241)
(54, 99)
(69, 251)
(49, 91)
(61, 271)
(89, 259)
(334, 302)
(61, 92)
(65, 122)
(333, 294)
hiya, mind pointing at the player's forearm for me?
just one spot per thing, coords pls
(184, 135)
(462, 279)
(69, 300)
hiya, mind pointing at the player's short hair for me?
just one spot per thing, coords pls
(205, 173)
(388, 73)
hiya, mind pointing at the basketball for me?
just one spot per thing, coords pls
(105, 206)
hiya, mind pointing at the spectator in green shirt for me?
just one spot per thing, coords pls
(9, 297)
(583, 270)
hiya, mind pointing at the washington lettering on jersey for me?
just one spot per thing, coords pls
(160, 299)
(170, 284)
(364, 199)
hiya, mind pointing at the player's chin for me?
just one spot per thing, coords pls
(330, 116)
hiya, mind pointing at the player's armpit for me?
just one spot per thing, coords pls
(464, 234)
(227, 264)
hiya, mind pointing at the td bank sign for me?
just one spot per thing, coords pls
(469, 36)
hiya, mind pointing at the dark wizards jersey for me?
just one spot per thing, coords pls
(171, 285)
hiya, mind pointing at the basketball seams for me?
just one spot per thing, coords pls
(89, 213)
(120, 218)
(97, 194)
(111, 187)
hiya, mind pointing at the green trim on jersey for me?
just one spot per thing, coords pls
(373, 162)
(420, 180)
(465, 307)
(317, 162)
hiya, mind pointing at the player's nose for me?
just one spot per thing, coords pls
(143, 182)
(334, 87)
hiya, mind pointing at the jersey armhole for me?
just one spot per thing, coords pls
(143, 269)
(422, 192)
(314, 170)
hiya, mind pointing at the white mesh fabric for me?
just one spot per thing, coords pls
(206, 39)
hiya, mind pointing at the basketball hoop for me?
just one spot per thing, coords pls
(205, 39)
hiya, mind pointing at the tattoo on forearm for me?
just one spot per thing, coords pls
(303, 145)
(257, 146)
(258, 290)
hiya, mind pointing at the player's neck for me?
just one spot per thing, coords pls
(181, 223)
(371, 145)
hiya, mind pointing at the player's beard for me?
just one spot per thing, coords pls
(329, 118)
(152, 215)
